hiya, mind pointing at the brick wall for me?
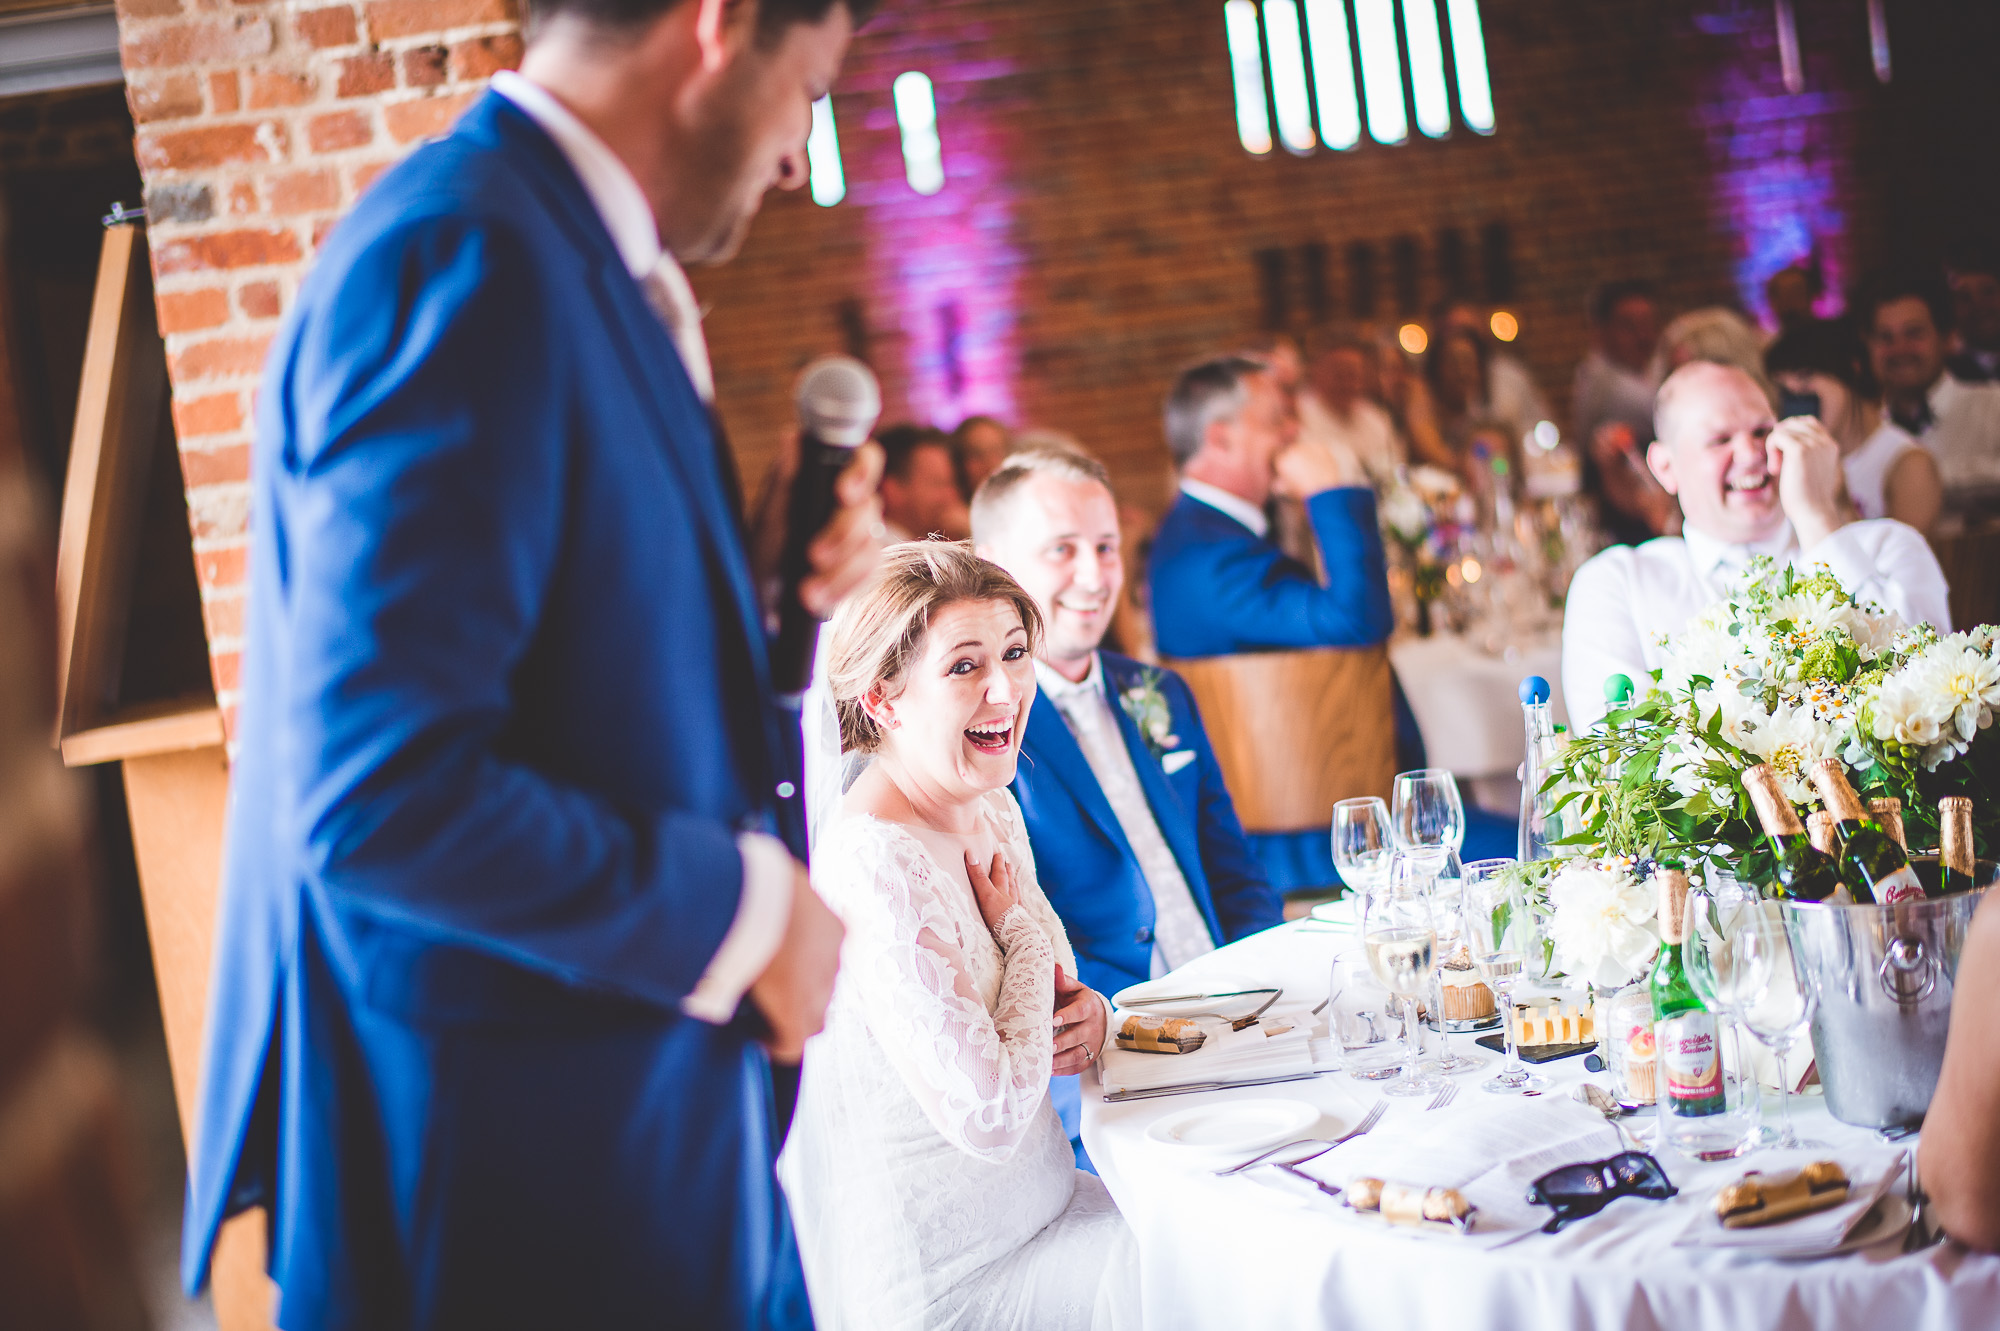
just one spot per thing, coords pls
(1098, 225)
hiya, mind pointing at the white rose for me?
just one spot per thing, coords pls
(1602, 924)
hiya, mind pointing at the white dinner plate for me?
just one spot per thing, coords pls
(1236, 1127)
(1207, 982)
(1339, 912)
(1887, 1219)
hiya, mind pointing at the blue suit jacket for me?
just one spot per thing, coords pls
(1086, 866)
(505, 709)
(1219, 588)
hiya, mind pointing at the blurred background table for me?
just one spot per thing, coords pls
(1468, 706)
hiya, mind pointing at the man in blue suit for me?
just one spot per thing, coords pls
(1136, 842)
(511, 908)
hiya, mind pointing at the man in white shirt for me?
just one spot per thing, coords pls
(1748, 486)
(1959, 422)
(1136, 841)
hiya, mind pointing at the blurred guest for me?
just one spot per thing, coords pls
(1510, 392)
(1750, 486)
(978, 445)
(920, 486)
(1611, 411)
(1959, 1156)
(1407, 396)
(1457, 372)
(1974, 276)
(1136, 841)
(1338, 415)
(1713, 333)
(1791, 293)
(1220, 584)
(1820, 369)
(1906, 321)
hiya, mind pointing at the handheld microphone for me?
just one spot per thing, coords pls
(839, 402)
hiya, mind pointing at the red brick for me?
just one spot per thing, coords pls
(190, 311)
(366, 75)
(483, 57)
(313, 191)
(259, 300)
(423, 67)
(241, 200)
(389, 19)
(224, 614)
(198, 42)
(339, 130)
(210, 145)
(243, 248)
(167, 98)
(333, 26)
(225, 92)
(223, 567)
(228, 668)
(364, 175)
(135, 9)
(321, 230)
(271, 87)
(425, 116)
(218, 413)
(217, 357)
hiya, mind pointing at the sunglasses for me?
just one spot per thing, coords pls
(1580, 1190)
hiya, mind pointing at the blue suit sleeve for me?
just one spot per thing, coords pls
(1244, 900)
(425, 419)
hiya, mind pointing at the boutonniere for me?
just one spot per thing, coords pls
(1147, 707)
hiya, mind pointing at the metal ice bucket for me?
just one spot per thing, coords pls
(1885, 977)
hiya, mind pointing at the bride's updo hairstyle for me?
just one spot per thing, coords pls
(880, 629)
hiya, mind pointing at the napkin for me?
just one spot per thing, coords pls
(1263, 1050)
(1870, 1174)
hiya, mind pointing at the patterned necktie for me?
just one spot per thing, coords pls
(668, 292)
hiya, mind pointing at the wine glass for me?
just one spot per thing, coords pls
(1401, 943)
(1446, 888)
(1720, 978)
(1501, 933)
(1426, 813)
(1780, 1005)
(1362, 844)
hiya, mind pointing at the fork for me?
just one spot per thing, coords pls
(1369, 1120)
(1443, 1098)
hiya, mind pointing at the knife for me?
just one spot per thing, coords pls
(1189, 1088)
(1195, 998)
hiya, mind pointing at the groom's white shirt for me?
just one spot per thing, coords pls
(1624, 600)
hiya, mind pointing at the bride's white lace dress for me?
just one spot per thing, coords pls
(930, 1181)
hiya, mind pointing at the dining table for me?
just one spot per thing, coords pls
(1464, 690)
(1264, 1249)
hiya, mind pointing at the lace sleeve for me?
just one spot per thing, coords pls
(980, 1076)
(1013, 830)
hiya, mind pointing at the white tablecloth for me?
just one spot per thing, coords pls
(1237, 1253)
(1468, 702)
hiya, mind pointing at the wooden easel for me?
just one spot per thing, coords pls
(133, 683)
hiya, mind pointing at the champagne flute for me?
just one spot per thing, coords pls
(1446, 888)
(1401, 944)
(1426, 813)
(1362, 845)
(1501, 934)
(1780, 1009)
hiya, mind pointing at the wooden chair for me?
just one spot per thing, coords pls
(1296, 732)
(1971, 563)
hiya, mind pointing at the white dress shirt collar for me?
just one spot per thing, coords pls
(1229, 505)
(1061, 690)
(1717, 560)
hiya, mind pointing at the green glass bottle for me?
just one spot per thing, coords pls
(1685, 1033)
(1872, 865)
(1803, 872)
(1957, 862)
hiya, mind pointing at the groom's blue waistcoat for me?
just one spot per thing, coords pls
(504, 710)
(1086, 866)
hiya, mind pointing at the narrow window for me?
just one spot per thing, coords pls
(1468, 53)
(1420, 30)
(916, 115)
(829, 182)
(1333, 73)
(1246, 65)
(1288, 75)
(1381, 70)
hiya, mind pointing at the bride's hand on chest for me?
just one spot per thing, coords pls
(993, 887)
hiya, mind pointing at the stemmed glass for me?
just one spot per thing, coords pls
(1427, 814)
(1362, 844)
(1720, 978)
(1780, 1006)
(1446, 888)
(1501, 933)
(1401, 943)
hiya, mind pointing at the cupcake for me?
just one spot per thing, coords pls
(1641, 1067)
(1466, 998)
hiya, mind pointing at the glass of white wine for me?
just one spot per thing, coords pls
(1500, 933)
(1401, 943)
(1362, 844)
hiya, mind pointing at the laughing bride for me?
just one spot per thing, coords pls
(929, 1179)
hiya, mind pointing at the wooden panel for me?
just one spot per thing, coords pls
(1971, 563)
(1296, 732)
(139, 732)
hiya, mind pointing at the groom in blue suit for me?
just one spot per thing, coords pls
(1136, 842)
(513, 924)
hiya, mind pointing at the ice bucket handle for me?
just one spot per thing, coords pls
(1908, 971)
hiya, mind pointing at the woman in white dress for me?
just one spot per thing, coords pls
(929, 1179)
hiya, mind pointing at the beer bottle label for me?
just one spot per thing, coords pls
(1691, 1056)
(1902, 885)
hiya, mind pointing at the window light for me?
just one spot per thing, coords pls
(1288, 75)
(829, 182)
(1333, 73)
(1381, 70)
(1468, 53)
(916, 115)
(1246, 64)
(1420, 30)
